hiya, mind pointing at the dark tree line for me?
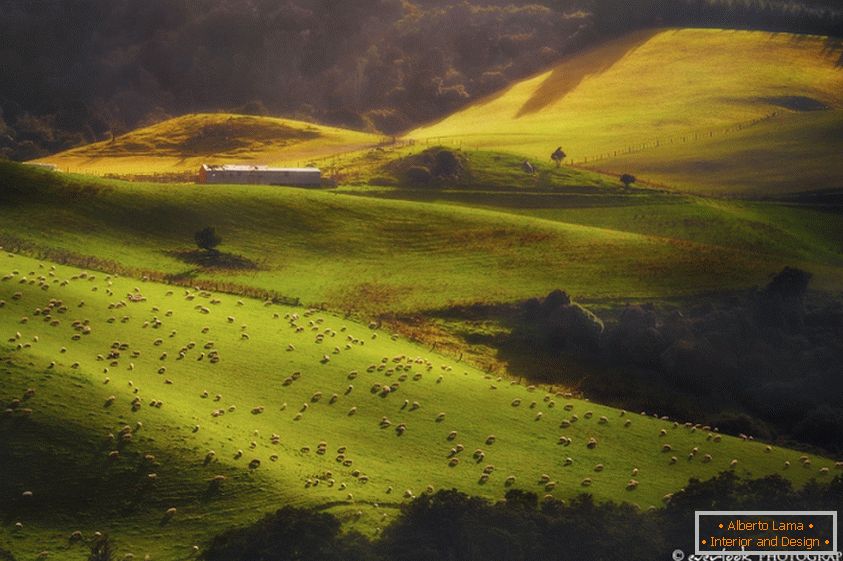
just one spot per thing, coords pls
(74, 72)
(450, 525)
(765, 363)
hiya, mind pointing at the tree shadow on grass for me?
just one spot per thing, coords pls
(218, 260)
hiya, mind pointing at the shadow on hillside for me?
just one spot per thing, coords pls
(567, 76)
(834, 47)
(213, 259)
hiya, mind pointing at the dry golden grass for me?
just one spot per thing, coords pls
(653, 85)
(184, 143)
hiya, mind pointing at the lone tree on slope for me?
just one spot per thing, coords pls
(557, 156)
(627, 180)
(207, 239)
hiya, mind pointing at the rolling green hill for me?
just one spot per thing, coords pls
(184, 143)
(107, 380)
(773, 91)
(377, 255)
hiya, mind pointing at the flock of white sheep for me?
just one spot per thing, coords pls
(155, 359)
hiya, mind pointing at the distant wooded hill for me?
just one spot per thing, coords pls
(77, 72)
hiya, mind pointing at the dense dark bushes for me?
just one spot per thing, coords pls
(763, 363)
(452, 526)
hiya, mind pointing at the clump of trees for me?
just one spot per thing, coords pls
(207, 239)
(452, 525)
(112, 66)
(558, 156)
(764, 362)
(434, 166)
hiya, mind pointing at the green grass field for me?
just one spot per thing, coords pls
(82, 395)
(698, 110)
(184, 143)
(378, 255)
(105, 321)
(657, 85)
(796, 151)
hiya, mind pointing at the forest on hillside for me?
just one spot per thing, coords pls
(76, 72)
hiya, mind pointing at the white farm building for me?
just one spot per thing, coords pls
(259, 175)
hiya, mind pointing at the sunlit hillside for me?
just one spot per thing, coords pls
(671, 87)
(162, 415)
(184, 143)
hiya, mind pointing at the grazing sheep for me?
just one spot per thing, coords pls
(634, 472)
(598, 467)
(171, 511)
(632, 484)
(733, 463)
(706, 458)
(440, 417)
(592, 443)
(667, 448)
(586, 482)
(673, 460)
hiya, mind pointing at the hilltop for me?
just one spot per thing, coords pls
(163, 415)
(379, 255)
(680, 101)
(184, 143)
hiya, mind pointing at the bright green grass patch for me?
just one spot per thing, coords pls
(376, 255)
(60, 450)
(792, 231)
(661, 84)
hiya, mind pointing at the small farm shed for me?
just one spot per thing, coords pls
(259, 175)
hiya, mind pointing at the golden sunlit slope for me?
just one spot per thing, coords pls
(658, 85)
(184, 143)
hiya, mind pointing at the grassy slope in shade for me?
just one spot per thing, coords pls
(794, 152)
(659, 84)
(59, 452)
(381, 255)
(184, 143)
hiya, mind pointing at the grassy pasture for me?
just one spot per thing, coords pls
(184, 143)
(59, 450)
(660, 84)
(377, 255)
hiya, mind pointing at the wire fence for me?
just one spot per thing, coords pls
(684, 138)
(343, 166)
